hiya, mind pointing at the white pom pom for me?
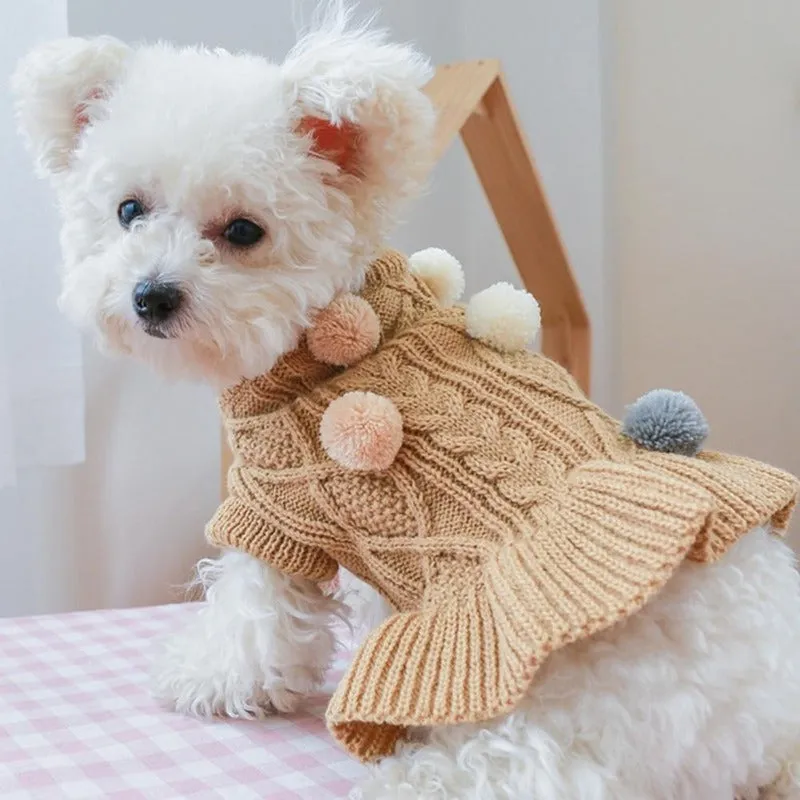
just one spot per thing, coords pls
(440, 272)
(503, 317)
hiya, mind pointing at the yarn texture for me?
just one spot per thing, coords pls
(344, 332)
(667, 421)
(361, 430)
(514, 520)
(440, 272)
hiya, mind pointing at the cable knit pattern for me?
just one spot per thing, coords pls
(514, 520)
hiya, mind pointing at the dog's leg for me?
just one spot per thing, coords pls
(260, 643)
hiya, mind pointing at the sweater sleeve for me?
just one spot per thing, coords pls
(239, 526)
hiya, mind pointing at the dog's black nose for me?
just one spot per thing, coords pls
(155, 301)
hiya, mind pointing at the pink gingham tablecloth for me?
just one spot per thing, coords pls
(77, 721)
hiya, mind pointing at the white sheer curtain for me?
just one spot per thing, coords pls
(41, 381)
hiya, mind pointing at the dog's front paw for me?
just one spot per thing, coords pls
(261, 643)
(204, 678)
(207, 683)
(286, 688)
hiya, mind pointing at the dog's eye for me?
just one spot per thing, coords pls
(243, 233)
(128, 211)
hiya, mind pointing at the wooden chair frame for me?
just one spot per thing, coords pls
(472, 99)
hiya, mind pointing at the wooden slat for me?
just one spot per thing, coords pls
(456, 91)
(506, 169)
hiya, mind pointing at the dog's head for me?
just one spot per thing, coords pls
(210, 202)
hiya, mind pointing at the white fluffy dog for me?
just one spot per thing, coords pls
(210, 202)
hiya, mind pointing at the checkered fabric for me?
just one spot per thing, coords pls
(77, 721)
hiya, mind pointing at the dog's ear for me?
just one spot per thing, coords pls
(60, 88)
(358, 100)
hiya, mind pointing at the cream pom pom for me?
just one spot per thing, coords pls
(344, 332)
(440, 272)
(362, 430)
(503, 317)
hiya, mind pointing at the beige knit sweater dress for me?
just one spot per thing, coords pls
(514, 520)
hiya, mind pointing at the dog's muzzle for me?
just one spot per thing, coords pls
(156, 303)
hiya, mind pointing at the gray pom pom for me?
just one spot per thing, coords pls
(666, 421)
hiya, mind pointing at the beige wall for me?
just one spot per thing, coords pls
(703, 146)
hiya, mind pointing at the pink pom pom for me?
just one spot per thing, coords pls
(344, 332)
(362, 430)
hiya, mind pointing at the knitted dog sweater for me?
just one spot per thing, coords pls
(513, 520)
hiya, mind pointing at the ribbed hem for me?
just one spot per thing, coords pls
(596, 554)
(747, 494)
(237, 525)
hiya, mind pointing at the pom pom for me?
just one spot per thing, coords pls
(666, 421)
(440, 272)
(344, 332)
(362, 430)
(503, 317)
